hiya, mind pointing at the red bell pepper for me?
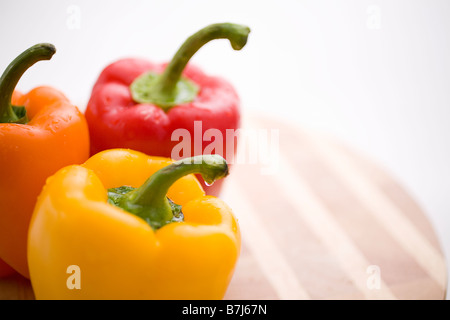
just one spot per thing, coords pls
(138, 104)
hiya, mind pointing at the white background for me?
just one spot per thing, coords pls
(376, 74)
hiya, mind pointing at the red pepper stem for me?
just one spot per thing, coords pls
(12, 75)
(150, 200)
(236, 34)
(169, 88)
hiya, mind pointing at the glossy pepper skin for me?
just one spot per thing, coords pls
(47, 134)
(118, 117)
(119, 255)
(5, 269)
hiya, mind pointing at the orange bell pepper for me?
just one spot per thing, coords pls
(40, 132)
(5, 269)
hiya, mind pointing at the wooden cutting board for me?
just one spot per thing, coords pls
(319, 221)
(328, 223)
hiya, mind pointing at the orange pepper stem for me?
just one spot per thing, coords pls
(150, 201)
(12, 75)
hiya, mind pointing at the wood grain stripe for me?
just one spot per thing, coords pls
(255, 235)
(323, 224)
(318, 272)
(395, 192)
(393, 220)
(249, 282)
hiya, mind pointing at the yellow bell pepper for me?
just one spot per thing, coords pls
(91, 238)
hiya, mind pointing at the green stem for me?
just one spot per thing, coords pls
(12, 75)
(236, 34)
(166, 90)
(150, 201)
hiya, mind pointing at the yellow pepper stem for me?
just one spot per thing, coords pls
(150, 201)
